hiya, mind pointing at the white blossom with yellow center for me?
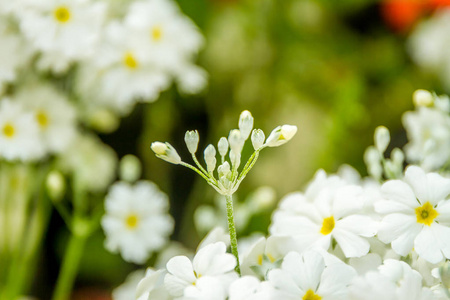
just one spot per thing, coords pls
(211, 264)
(19, 138)
(64, 31)
(330, 209)
(136, 220)
(311, 276)
(54, 114)
(416, 214)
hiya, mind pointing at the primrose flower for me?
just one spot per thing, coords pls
(136, 222)
(310, 276)
(416, 214)
(211, 262)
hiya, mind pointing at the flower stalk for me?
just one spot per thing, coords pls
(228, 176)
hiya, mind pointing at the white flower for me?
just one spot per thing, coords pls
(210, 261)
(250, 288)
(64, 31)
(139, 57)
(152, 286)
(429, 42)
(170, 38)
(428, 131)
(14, 55)
(91, 162)
(206, 288)
(55, 116)
(331, 212)
(136, 221)
(417, 214)
(394, 280)
(309, 276)
(19, 138)
(263, 254)
(121, 73)
(127, 290)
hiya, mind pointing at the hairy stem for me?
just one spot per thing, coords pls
(232, 230)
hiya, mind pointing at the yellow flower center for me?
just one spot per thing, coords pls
(426, 214)
(130, 61)
(62, 14)
(327, 225)
(8, 130)
(310, 295)
(156, 33)
(42, 119)
(132, 221)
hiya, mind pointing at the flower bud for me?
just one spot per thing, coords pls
(245, 124)
(222, 146)
(423, 98)
(398, 157)
(191, 139)
(56, 185)
(382, 138)
(258, 138)
(372, 160)
(210, 158)
(130, 168)
(236, 141)
(224, 170)
(281, 135)
(166, 152)
(235, 159)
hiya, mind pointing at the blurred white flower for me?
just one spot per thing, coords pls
(136, 220)
(210, 261)
(429, 44)
(417, 214)
(14, 54)
(310, 276)
(152, 286)
(65, 31)
(127, 290)
(19, 133)
(394, 280)
(428, 130)
(92, 163)
(54, 114)
(139, 57)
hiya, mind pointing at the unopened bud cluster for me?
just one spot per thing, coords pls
(375, 160)
(228, 177)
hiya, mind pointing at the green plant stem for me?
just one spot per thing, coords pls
(232, 230)
(70, 265)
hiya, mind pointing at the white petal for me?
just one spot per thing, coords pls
(399, 191)
(181, 267)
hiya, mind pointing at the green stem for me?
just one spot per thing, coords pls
(69, 268)
(232, 230)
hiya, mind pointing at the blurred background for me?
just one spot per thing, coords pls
(335, 69)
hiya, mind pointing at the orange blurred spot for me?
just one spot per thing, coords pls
(401, 14)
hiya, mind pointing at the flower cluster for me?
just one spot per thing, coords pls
(344, 237)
